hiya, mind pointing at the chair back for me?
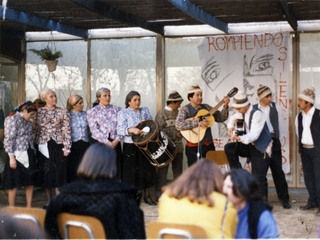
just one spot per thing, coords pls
(72, 226)
(35, 215)
(167, 230)
(219, 157)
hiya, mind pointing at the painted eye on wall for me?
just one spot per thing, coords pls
(211, 71)
(261, 65)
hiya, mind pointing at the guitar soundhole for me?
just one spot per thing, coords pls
(240, 127)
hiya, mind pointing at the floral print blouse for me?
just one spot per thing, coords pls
(79, 126)
(103, 122)
(53, 124)
(18, 134)
(128, 118)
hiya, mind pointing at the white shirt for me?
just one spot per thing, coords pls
(266, 111)
(168, 108)
(306, 137)
(257, 124)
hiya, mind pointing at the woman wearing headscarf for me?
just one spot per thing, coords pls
(20, 166)
(53, 136)
(102, 121)
(79, 135)
(136, 168)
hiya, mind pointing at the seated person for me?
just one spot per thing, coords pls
(196, 198)
(99, 195)
(254, 212)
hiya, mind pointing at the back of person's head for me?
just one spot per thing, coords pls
(14, 228)
(246, 186)
(197, 183)
(99, 161)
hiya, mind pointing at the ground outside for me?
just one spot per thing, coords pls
(292, 223)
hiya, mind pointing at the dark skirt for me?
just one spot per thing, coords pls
(137, 170)
(78, 149)
(53, 170)
(21, 176)
(119, 157)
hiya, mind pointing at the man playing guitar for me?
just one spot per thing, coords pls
(190, 110)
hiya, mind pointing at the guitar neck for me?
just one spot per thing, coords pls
(214, 109)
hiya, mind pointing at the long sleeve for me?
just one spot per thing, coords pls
(10, 133)
(182, 123)
(257, 124)
(66, 131)
(267, 226)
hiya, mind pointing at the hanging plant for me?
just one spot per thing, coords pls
(49, 57)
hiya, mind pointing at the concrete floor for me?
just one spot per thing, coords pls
(292, 223)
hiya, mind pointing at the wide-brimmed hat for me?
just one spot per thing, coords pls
(240, 100)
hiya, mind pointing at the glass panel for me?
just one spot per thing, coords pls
(69, 78)
(6, 60)
(309, 69)
(123, 65)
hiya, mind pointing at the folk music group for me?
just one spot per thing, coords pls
(79, 155)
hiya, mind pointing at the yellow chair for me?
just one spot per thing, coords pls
(219, 157)
(167, 230)
(36, 215)
(72, 226)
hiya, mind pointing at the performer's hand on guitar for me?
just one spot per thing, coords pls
(204, 123)
(226, 101)
(135, 131)
(179, 135)
(230, 132)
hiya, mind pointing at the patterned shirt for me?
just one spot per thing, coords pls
(79, 126)
(183, 124)
(128, 118)
(53, 124)
(18, 134)
(103, 122)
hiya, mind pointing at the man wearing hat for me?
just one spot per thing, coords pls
(276, 127)
(308, 130)
(189, 111)
(254, 144)
(166, 121)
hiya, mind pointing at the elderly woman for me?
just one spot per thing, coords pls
(136, 168)
(53, 136)
(20, 166)
(196, 198)
(79, 135)
(97, 194)
(102, 120)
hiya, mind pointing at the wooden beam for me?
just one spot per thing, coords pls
(50, 25)
(110, 12)
(199, 14)
(289, 14)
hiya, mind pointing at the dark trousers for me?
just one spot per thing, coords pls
(259, 162)
(191, 152)
(163, 171)
(278, 175)
(310, 158)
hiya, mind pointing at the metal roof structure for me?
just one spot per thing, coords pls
(76, 17)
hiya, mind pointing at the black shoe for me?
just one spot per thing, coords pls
(286, 205)
(309, 206)
(149, 201)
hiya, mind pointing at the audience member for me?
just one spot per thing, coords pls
(254, 212)
(99, 195)
(196, 197)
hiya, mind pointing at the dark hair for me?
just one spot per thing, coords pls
(29, 106)
(245, 185)
(99, 161)
(129, 96)
(168, 102)
(197, 183)
(190, 95)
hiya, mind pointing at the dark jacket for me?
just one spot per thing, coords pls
(113, 203)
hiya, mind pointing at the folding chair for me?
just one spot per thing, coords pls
(219, 157)
(167, 230)
(35, 215)
(72, 226)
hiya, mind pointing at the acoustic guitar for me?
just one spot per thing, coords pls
(192, 135)
(240, 128)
